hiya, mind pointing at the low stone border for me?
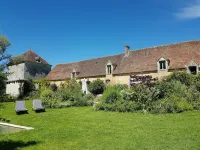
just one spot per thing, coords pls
(16, 126)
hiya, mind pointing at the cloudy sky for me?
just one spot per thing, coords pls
(189, 10)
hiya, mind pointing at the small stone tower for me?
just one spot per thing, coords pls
(24, 67)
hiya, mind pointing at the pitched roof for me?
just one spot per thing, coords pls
(92, 67)
(28, 56)
(179, 55)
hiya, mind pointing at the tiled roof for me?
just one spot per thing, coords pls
(92, 67)
(28, 56)
(179, 55)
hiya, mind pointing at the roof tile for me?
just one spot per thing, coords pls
(142, 60)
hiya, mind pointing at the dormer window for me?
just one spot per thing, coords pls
(37, 59)
(192, 67)
(109, 69)
(73, 75)
(162, 64)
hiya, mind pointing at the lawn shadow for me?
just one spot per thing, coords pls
(40, 111)
(22, 112)
(13, 145)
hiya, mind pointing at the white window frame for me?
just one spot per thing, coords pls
(162, 65)
(109, 72)
(38, 60)
(73, 75)
(161, 68)
(193, 64)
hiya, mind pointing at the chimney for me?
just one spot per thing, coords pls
(126, 50)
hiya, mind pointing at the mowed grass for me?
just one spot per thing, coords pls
(84, 128)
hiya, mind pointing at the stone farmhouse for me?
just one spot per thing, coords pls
(24, 67)
(157, 62)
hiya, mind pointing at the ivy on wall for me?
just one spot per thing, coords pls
(16, 60)
(35, 69)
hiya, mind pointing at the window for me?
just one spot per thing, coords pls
(193, 69)
(109, 69)
(162, 65)
(37, 59)
(73, 74)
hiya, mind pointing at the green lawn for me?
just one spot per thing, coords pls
(84, 128)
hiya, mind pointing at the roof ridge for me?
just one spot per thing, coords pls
(166, 45)
(131, 51)
(88, 59)
(26, 56)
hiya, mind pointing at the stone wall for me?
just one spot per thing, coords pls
(16, 72)
(120, 79)
(27, 71)
(24, 71)
(35, 71)
(13, 88)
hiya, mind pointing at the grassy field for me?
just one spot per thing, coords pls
(84, 128)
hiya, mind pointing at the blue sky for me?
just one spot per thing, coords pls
(64, 31)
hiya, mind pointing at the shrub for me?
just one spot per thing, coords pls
(131, 106)
(112, 100)
(193, 97)
(69, 95)
(46, 93)
(43, 82)
(176, 88)
(33, 95)
(128, 95)
(8, 98)
(172, 105)
(54, 87)
(183, 77)
(70, 92)
(49, 99)
(26, 88)
(163, 88)
(118, 106)
(111, 95)
(86, 100)
(2, 86)
(145, 96)
(120, 87)
(196, 105)
(51, 102)
(96, 87)
(89, 98)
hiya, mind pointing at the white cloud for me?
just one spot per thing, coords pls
(190, 11)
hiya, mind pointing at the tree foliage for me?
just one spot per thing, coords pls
(96, 87)
(4, 59)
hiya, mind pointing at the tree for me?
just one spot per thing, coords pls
(96, 87)
(4, 59)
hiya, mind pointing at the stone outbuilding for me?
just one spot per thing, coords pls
(24, 67)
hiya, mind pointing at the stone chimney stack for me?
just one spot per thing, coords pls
(126, 50)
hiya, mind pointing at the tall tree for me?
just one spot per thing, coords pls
(4, 59)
